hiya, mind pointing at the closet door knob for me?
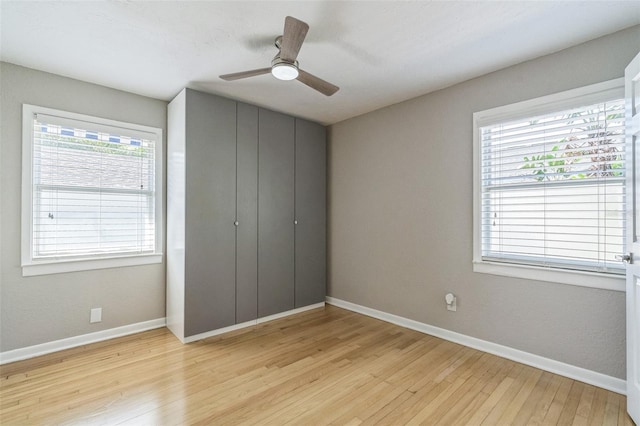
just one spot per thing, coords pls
(236, 223)
(295, 222)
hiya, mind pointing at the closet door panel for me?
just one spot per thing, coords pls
(275, 213)
(310, 200)
(247, 214)
(210, 213)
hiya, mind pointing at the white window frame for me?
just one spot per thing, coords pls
(32, 267)
(529, 108)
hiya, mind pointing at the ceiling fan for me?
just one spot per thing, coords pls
(284, 65)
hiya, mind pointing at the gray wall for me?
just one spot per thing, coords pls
(50, 307)
(400, 217)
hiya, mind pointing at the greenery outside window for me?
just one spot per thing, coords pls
(550, 187)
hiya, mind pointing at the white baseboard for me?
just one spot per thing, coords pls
(571, 371)
(251, 323)
(200, 336)
(289, 313)
(84, 339)
(72, 342)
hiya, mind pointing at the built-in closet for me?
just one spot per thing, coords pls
(246, 214)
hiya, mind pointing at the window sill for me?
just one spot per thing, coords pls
(577, 278)
(58, 266)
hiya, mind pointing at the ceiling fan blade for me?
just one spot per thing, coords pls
(245, 74)
(316, 83)
(294, 33)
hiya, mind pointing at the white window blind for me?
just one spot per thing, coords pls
(553, 189)
(93, 189)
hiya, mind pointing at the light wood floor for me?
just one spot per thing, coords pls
(319, 367)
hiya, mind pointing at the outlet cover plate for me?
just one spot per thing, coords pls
(96, 315)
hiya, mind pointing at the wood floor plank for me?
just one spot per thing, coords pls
(490, 403)
(481, 405)
(611, 410)
(518, 402)
(542, 407)
(367, 407)
(323, 366)
(596, 414)
(584, 406)
(531, 402)
(469, 401)
(519, 375)
(570, 407)
(557, 405)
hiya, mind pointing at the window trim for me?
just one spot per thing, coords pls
(563, 100)
(31, 267)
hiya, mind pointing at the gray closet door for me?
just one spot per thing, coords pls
(310, 202)
(210, 252)
(275, 213)
(247, 214)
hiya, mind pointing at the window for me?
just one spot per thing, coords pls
(92, 192)
(550, 188)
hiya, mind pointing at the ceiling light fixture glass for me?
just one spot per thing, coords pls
(284, 71)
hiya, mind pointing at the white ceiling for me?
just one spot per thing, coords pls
(379, 53)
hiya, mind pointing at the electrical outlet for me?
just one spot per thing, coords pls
(451, 301)
(96, 315)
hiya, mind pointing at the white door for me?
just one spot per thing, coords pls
(632, 112)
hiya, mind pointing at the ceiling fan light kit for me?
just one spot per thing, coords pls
(284, 70)
(285, 66)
